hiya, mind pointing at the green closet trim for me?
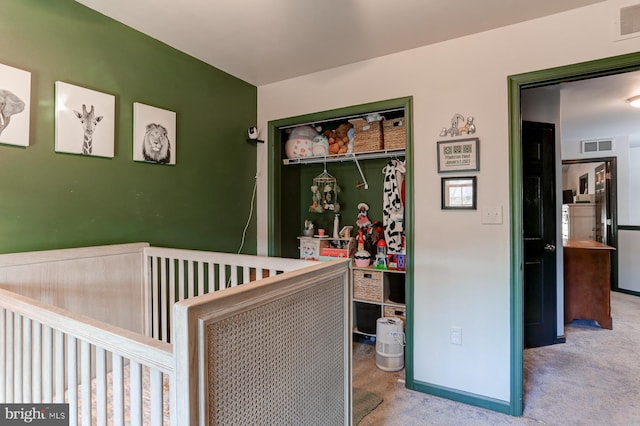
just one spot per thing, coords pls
(580, 71)
(274, 159)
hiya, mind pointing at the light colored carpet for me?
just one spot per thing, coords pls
(364, 402)
(592, 379)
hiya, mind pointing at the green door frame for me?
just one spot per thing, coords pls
(274, 159)
(581, 71)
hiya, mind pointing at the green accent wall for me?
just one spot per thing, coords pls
(54, 200)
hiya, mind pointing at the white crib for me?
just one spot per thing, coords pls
(133, 334)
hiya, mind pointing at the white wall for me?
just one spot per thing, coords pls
(634, 188)
(462, 268)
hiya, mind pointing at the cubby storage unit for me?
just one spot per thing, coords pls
(376, 293)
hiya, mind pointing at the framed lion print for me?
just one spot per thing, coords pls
(154, 134)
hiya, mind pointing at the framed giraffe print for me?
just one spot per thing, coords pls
(85, 121)
(154, 134)
(15, 96)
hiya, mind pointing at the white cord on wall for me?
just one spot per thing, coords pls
(246, 226)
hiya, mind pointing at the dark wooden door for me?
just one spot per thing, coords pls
(539, 230)
(603, 209)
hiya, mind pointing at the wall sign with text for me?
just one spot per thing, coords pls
(459, 155)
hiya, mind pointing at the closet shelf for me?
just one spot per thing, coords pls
(370, 155)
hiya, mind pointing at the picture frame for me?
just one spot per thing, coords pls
(584, 183)
(154, 134)
(84, 121)
(15, 105)
(460, 155)
(459, 192)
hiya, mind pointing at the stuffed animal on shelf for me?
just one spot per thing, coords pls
(300, 142)
(339, 139)
(320, 146)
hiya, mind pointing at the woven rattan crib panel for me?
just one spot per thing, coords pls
(282, 363)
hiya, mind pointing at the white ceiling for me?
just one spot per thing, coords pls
(596, 108)
(263, 41)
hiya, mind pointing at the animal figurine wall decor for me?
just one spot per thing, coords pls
(469, 127)
(89, 121)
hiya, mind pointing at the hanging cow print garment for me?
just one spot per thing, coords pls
(392, 206)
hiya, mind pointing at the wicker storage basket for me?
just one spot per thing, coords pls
(394, 133)
(367, 136)
(367, 285)
(396, 312)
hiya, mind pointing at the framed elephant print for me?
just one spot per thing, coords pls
(15, 97)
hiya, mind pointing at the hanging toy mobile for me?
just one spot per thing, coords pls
(325, 193)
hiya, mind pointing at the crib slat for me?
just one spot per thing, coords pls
(101, 387)
(222, 276)
(201, 267)
(189, 284)
(166, 314)
(9, 355)
(163, 281)
(211, 282)
(155, 300)
(118, 390)
(47, 364)
(26, 361)
(17, 358)
(37, 362)
(135, 393)
(72, 380)
(234, 276)
(3, 354)
(156, 396)
(59, 370)
(181, 292)
(259, 274)
(85, 382)
(246, 274)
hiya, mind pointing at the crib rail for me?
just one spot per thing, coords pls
(173, 275)
(49, 355)
(274, 353)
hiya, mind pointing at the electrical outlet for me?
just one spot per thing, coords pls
(492, 215)
(456, 335)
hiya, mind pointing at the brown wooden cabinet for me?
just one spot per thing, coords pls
(587, 281)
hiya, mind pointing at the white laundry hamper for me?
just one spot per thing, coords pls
(389, 344)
